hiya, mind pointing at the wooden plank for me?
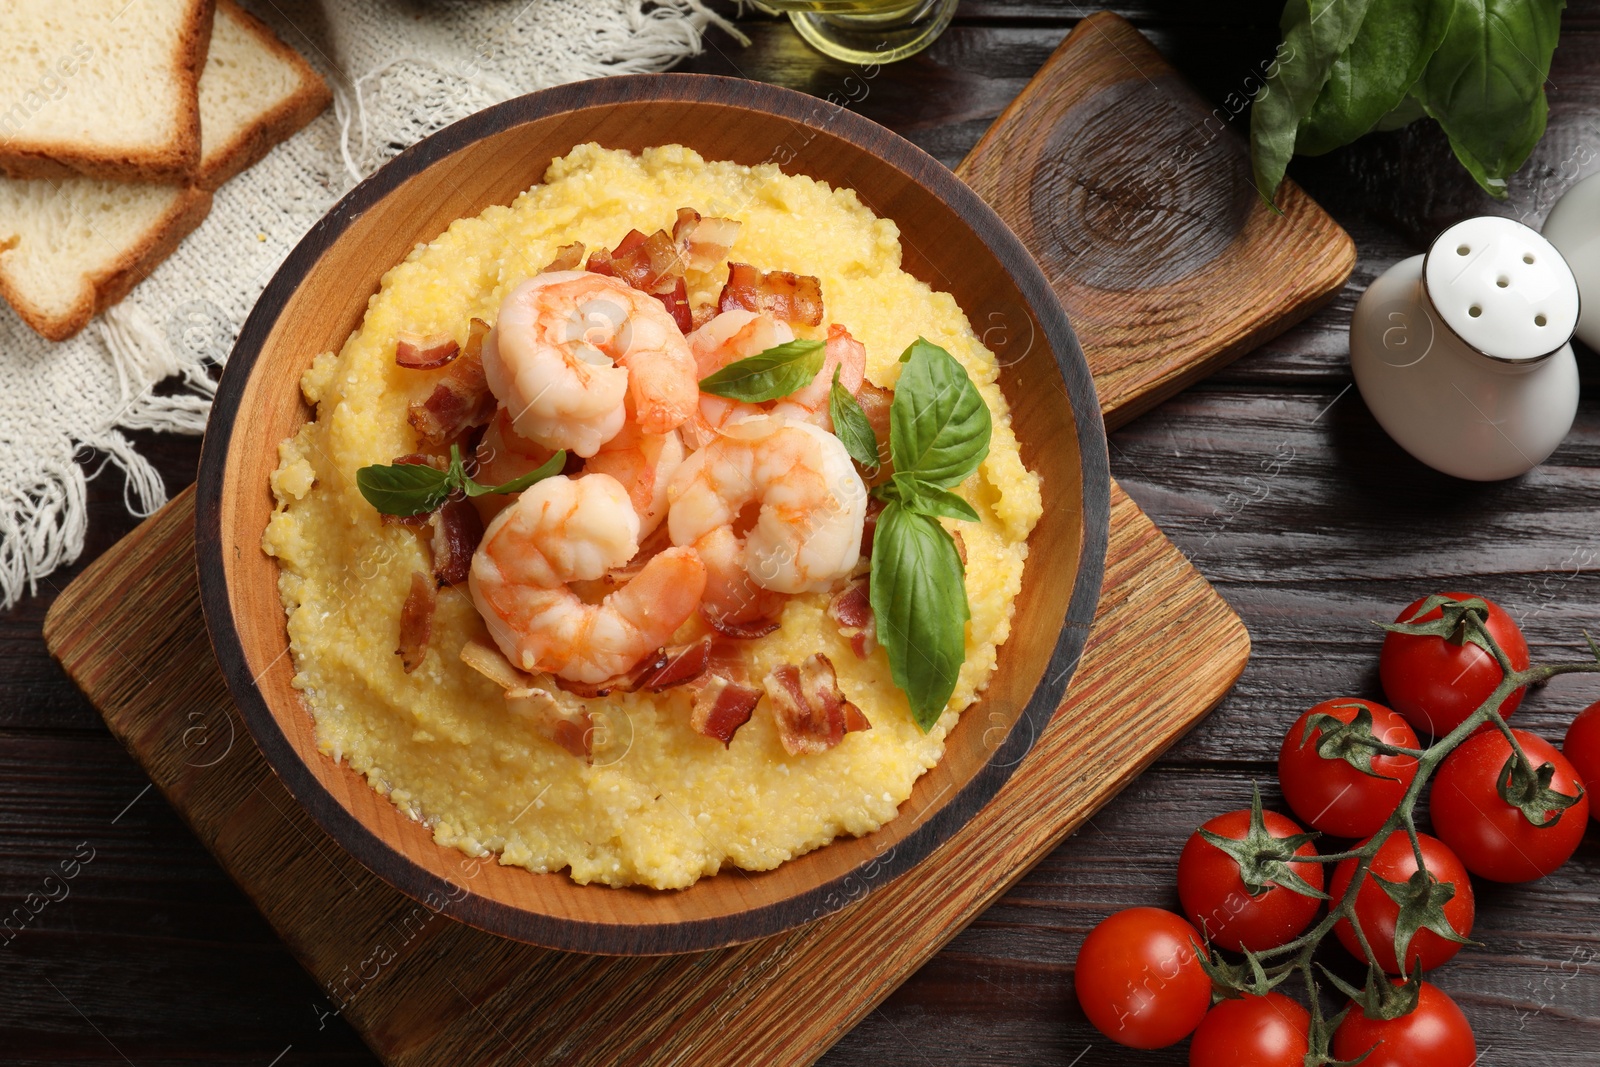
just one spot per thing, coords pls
(420, 986)
(1137, 200)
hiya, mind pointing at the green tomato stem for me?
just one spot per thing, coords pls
(1301, 949)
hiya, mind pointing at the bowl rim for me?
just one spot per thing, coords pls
(392, 866)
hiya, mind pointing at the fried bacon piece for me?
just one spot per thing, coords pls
(656, 263)
(811, 712)
(416, 622)
(703, 243)
(851, 608)
(572, 730)
(416, 352)
(673, 666)
(759, 615)
(527, 696)
(794, 298)
(457, 529)
(663, 669)
(677, 304)
(568, 257)
(649, 264)
(721, 707)
(461, 400)
(869, 527)
(961, 545)
(875, 405)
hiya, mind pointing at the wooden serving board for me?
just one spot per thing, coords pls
(1136, 198)
(424, 989)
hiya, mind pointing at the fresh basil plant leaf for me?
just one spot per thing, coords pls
(919, 598)
(1485, 84)
(910, 493)
(1371, 78)
(410, 489)
(549, 467)
(941, 503)
(768, 375)
(403, 488)
(939, 426)
(850, 425)
(1315, 34)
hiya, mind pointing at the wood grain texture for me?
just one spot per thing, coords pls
(379, 954)
(950, 239)
(1136, 199)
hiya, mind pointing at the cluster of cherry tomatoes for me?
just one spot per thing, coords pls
(1139, 974)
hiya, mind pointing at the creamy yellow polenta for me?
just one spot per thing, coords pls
(661, 805)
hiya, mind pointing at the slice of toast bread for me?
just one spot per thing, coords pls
(256, 91)
(105, 88)
(71, 248)
(77, 246)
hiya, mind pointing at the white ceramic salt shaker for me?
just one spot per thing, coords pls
(1574, 228)
(1462, 354)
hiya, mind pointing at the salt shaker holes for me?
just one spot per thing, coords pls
(1540, 320)
(1463, 250)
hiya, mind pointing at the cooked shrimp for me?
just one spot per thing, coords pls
(734, 335)
(575, 529)
(810, 402)
(569, 346)
(732, 602)
(644, 464)
(728, 338)
(812, 502)
(502, 455)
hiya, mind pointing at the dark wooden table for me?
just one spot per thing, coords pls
(1271, 476)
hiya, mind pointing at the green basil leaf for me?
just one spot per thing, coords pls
(549, 467)
(940, 503)
(850, 425)
(1404, 114)
(939, 426)
(404, 488)
(919, 598)
(1371, 78)
(1315, 34)
(1485, 84)
(768, 375)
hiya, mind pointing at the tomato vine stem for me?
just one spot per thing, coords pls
(1296, 955)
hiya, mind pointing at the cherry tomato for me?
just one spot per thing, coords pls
(1582, 749)
(1269, 1031)
(1328, 793)
(1216, 900)
(1377, 913)
(1494, 839)
(1435, 1033)
(1139, 978)
(1436, 683)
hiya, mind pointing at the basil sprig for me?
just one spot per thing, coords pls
(850, 425)
(768, 375)
(412, 488)
(939, 430)
(1345, 67)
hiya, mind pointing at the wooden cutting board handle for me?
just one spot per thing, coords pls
(1136, 198)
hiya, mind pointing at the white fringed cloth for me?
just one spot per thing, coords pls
(400, 70)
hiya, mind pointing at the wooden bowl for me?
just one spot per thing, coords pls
(951, 239)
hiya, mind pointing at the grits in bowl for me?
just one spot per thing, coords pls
(502, 740)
